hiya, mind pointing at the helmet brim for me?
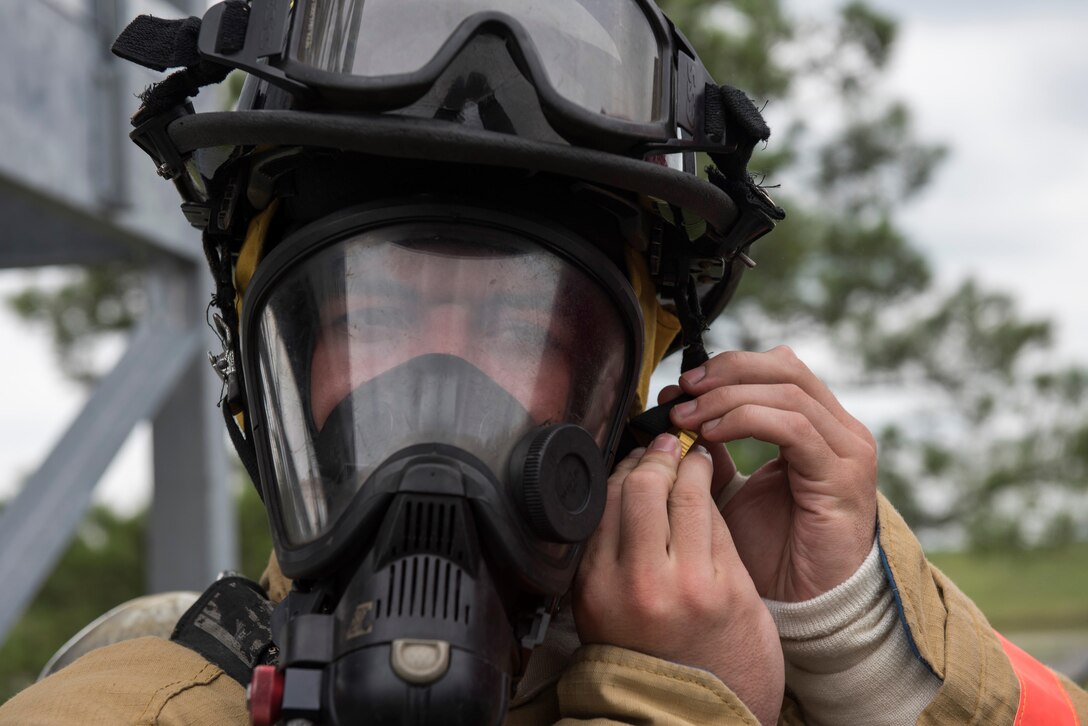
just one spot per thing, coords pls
(424, 139)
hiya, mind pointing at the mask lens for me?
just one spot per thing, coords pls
(416, 334)
(598, 54)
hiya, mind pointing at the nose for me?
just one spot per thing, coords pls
(447, 329)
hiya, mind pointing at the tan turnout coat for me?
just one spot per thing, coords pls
(155, 681)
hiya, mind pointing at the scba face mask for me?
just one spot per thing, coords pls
(436, 392)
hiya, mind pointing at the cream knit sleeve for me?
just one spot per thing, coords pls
(848, 660)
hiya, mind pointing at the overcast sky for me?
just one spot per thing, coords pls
(1004, 86)
(1002, 83)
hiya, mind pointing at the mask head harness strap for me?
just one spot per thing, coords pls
(230, 282)
(692, 325)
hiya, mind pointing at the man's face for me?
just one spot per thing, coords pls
(409, 335)
(501, 313)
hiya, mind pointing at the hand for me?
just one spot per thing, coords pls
(661, 576)
(804, 521)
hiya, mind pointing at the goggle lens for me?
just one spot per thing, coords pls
(600, 55)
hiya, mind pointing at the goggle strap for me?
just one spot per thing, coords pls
(728, 106)
(160, 44)
(731, 118)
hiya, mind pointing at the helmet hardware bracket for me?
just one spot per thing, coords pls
(226, 367)
(152, 136)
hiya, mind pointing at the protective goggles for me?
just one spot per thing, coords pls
(377, 332)
(611, 74)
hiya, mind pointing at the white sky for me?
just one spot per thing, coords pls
(1001, 83)
(1005, 88)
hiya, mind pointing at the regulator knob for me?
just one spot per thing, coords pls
(563, 482)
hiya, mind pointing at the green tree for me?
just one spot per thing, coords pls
(845, 161)
(102, 567)
(90, 305)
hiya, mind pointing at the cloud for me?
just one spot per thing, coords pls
(39, 404)
(1005, 207)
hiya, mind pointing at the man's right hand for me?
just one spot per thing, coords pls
(661, 576)
(803, 522)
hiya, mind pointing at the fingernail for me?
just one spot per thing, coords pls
(694, 375)
(686, 408)
(710, 425)
(637, 453)
(700, 449)
(665, 442)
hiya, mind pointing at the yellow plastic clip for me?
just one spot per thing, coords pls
(687, 440)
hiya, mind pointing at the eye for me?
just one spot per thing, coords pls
(376, 317)
(514, 329)
(519, 331)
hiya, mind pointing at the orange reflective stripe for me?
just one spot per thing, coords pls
(1042, 698)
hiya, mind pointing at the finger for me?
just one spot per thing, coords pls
(797, 439)
(723, 550)
(626, 464)
(668, 393)
(725, 469)
(715, 403)
(644, 516)
(691, 509)
(779, 365)
(603, 544)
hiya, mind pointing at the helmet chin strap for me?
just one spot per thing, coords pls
(692, 325)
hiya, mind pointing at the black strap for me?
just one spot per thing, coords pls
(223, 299)
(730, 112)
(244, 446)
(725, 105)
(692, 324)
(730, 116)
(159, 44)
(653, 422)
(230, 626)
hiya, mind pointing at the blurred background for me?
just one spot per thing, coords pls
(932, 158)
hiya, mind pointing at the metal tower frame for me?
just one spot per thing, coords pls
(75, 191)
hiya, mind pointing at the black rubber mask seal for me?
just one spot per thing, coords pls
(293, 250)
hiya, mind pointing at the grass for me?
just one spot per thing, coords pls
(1024, 591)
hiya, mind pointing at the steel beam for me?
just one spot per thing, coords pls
(191, 522)
(63, 121)
(39, 521)
(75, 191)
(191, 534)
(39, 230)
